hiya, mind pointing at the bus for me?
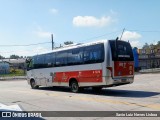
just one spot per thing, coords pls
(96, 64)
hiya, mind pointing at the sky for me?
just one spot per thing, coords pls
(26, 23)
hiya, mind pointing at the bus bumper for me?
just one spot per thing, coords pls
(119, 81)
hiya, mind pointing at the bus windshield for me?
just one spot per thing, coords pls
(121, 51)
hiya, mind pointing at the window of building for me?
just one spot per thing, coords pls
(158, 50)
(152, 51)
(143, 51)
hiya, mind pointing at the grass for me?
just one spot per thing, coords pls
(14, 72)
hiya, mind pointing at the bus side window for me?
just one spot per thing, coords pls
(75, 56)
(61, 58)
(70, 58)
(33, 61)
(50, 60)
(94, 54)
(39, 61)
(86, 54)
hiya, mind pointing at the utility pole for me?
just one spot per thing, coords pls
(52, 41)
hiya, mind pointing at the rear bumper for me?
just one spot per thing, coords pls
(108, 81)
(119, 80)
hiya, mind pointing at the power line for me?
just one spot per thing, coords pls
(106, 34)
(24, 45)
(5, 52)
(51, 42)
(145, 30)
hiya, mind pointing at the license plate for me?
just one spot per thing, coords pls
(124, 80)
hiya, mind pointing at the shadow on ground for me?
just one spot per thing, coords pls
(107, 92)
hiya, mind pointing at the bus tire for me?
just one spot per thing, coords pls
(33, 84)
(74, 86)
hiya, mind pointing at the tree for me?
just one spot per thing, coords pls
(158, 43)
(135, 48)
(1, 57)
(68, 42)
(151, 46)
(145, 46)
(14, 57)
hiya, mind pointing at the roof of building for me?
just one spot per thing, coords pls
(13, 61)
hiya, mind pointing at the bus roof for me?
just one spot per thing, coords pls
(67, 47)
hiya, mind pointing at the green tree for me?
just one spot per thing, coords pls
(145, 46)
(1, 57)
(14, 57)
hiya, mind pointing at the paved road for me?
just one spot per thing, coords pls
(142, 95)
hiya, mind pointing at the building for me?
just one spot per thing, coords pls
(149, 57)
(15, 63)
(136, 62)
(4, 67)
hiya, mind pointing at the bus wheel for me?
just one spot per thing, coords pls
(33, 84)
(74, 86)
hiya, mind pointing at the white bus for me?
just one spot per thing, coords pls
(97, 65)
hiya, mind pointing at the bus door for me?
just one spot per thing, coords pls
(50, 79)
(38, 70)
(31, 71)
(49, 73)
(122, 57)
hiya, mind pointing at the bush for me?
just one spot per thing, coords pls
(16, 72)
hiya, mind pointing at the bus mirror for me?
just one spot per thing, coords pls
(28, 68)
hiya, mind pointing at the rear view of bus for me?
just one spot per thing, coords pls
(121, 65)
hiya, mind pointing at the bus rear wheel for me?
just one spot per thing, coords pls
(74, 86)
(33, 84)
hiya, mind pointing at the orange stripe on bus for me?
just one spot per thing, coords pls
(81, 76)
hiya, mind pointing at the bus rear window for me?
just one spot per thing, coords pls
(121, 51)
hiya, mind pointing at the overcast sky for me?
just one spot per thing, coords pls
(24, 22)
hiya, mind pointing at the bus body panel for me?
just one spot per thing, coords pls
(84, 76)
(106, 73)
(123, 68)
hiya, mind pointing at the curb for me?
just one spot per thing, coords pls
(150, 72)
(13, 78)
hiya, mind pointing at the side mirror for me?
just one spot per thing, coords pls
(29, 68)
